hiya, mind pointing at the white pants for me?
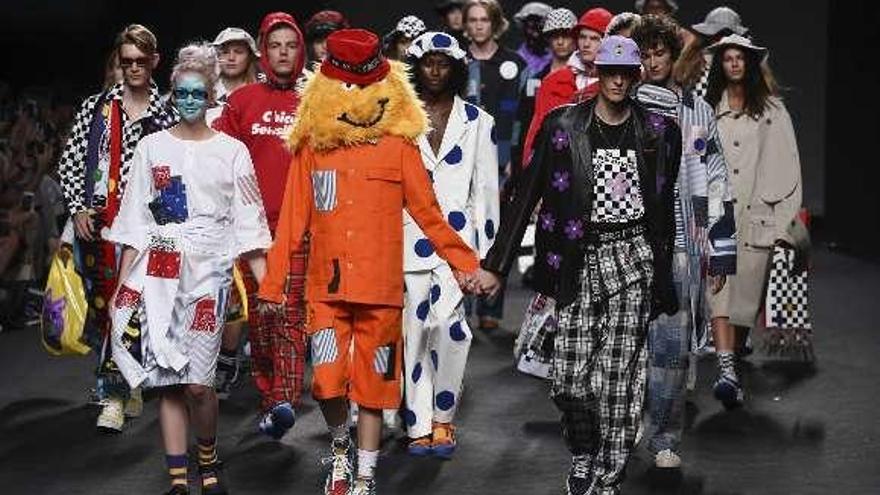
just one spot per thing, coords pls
(437, 340)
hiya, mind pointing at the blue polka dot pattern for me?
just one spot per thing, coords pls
(422, 310)
(471, 111)
(445, 400)
(424, 248)
(434, 359)
(441, 40)
(456, 220)
(456, 332)
(409, 417)
(435, 294)
(490, 229)
(417, 372)
(454, 156)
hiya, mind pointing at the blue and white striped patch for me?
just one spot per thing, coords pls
(382, 359)
(324, 349)
(324, 186)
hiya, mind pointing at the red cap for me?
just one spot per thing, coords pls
(354, 56)
(594, 19)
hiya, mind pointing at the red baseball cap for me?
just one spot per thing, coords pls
(355, 56)
(594, 19)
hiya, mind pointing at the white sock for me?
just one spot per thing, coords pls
(367, 460)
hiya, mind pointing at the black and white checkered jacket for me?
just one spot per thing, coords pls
(72, 166)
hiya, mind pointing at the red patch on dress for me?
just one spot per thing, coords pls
(204, 319)
(161, 176)
(127, 297)
(163, 264)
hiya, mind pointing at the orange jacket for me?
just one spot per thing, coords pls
(350, 200)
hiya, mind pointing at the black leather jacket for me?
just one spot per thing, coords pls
(563, 151)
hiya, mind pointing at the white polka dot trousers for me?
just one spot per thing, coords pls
(437, 340)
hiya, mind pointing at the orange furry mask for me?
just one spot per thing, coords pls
(333, 113)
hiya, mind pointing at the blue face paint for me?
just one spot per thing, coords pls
(191, 97)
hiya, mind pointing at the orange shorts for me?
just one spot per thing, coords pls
(356, 353)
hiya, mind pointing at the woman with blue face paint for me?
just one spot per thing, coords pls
(191, 208)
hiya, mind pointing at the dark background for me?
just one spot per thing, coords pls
(820, 50)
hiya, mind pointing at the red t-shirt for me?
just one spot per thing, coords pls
(260, 116)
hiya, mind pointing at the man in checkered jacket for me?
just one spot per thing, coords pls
(94, 170)
(605, 172)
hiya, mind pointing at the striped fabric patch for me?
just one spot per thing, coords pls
(249, 189)
(382, 359)
(324, 185)
(324, 349)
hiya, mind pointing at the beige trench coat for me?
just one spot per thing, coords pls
(765, 172)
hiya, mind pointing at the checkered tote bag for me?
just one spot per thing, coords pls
(787, 312)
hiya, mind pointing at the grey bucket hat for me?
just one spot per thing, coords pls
(719, 19)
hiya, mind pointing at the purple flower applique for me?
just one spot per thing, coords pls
(657, 122)
(560, 140)
(574, 229)
(554, 260)
(560, 181)
(548, 223)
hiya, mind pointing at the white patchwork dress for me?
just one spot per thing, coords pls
(190, 209)
(436, 334)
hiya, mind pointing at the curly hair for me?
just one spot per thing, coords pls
(200, 58)
(655, 30)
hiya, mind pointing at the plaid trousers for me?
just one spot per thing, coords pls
(278, 342)
(598, 369)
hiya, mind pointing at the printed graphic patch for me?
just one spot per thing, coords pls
(324, 349)
(250, 190)
(170, 205)
(127, 297)
(204, 316)
(161, 176)
(697, 141)
(163, 264)
(324, 186)
(382, 359)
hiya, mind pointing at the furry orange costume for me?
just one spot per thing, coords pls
(355, 168)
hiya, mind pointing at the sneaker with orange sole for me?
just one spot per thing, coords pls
(444, 440)
(421, 447)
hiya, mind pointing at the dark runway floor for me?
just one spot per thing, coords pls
(803, 431)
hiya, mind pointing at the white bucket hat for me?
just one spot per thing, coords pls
(719, 19)
(236, 34)
(741, 42)
(559, 19)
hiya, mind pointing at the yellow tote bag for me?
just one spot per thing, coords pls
(64, 308)
(237, 307)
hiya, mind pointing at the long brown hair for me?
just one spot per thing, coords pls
(760, 84)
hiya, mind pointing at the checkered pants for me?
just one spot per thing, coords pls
(600, 357)
(278, 342)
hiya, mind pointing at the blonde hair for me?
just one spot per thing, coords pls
(500, 24)
(139, 36)
(199, 58)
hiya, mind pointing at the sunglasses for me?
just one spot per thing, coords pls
(127, 63)
(184, 93)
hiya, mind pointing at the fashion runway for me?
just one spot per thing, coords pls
(804, 430)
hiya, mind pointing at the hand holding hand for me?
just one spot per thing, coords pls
(466, 281)
(489, 283)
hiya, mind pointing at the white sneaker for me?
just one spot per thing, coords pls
(134, 406)
(112, 416)
(667, 459)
